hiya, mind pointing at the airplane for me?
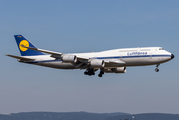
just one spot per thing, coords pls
(110, 61)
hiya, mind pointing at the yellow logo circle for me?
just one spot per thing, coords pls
(24, 43)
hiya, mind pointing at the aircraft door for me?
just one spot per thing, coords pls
(121, 56)
(150, 56)
(138, 49)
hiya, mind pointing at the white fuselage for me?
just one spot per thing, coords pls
(131, 57)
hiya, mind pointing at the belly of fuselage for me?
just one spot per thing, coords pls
(139, 61)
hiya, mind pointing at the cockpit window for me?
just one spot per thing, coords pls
(161, 49)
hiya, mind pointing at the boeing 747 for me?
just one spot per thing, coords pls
(110, 61)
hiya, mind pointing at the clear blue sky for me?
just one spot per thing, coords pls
(83, 26)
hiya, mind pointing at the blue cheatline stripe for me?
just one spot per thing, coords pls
(115, 57)
(134, 56)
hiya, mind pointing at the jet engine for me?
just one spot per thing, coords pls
(95, 63)
(115, 70)
(69, 58)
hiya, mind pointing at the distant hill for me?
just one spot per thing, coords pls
(87, 116)
(59, 116)
(146, 116)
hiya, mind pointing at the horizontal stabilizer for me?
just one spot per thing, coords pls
(21, 58)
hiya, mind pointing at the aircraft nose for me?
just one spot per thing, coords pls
(172, 56)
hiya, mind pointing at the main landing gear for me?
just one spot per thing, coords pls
(156, 69)
(89, 72)
(101, 73)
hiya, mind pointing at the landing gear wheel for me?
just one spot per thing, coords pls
(157, 70)
(89, 72)
(86, 72)
(100, 75)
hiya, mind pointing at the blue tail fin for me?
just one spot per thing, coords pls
(25, 51)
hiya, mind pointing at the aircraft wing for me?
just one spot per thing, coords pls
(83, 58)
(21, 58)
(44, 51)
(55, 54)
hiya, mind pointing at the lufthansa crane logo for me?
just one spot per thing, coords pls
(23, 43)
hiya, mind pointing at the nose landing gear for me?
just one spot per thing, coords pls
(156, 69)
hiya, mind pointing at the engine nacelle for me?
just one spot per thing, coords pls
(115, 70)
(69, 58)
(95, 63)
